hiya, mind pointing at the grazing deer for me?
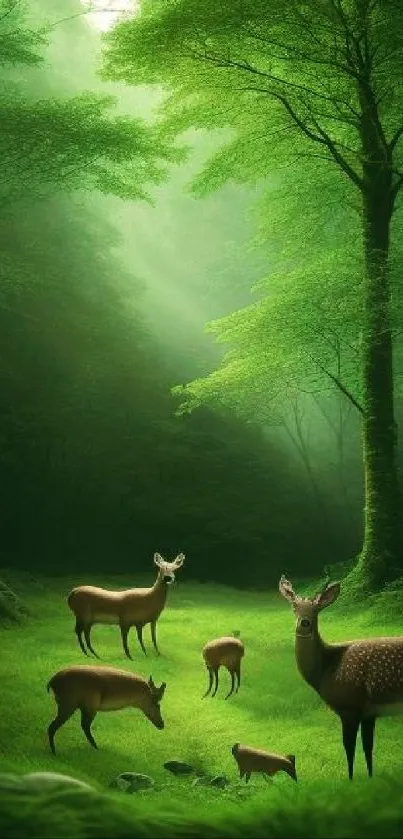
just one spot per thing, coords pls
(359, 680)
(256, 760)
(226, 652)
(95, 688)
(132, 607)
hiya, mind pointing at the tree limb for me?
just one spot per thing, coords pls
(341, 386)
(395, 139)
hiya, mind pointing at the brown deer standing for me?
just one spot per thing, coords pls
(93, 688)
(359, 680)
(226, 652)
(132, 607)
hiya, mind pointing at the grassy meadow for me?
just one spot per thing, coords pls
(274, 710)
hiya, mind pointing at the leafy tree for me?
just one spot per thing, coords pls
(317, 88)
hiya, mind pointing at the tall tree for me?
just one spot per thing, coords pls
(296, 82)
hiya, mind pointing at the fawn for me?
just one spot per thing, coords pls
(226, 652)
(256, 760)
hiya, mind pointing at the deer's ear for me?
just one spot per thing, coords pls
(161, 690)
(151, 683)
(328, 596)
(285, 588)
(157, 560)
(178, 562)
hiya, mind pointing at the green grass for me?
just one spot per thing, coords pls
(274, 710)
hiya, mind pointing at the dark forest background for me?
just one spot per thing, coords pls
(102, 308)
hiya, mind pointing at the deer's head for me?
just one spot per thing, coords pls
(307, 608)
(167, 569)
(152, 707)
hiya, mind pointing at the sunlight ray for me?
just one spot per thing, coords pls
(103, 14)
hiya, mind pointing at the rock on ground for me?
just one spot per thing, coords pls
(132, 782)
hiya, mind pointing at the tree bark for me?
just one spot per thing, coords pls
(380, 559)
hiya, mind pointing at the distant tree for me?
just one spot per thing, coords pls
(314, 88)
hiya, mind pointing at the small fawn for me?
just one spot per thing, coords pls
(256, 760)
(93, 688)
(359, 680)
(226, 652)
(132, 607)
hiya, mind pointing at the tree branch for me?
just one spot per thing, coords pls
(321, 137)
(341, 386)
(397, 186)
(221, 61)
(395, 139)
(342, 162)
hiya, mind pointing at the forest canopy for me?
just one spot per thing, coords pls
(306, 93)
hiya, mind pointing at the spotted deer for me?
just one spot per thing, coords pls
(132, 607)
(359, 680)
(223, 652)
(90, 689)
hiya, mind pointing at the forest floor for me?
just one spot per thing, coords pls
(274, 710)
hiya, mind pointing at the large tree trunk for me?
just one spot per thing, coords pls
(380, 560)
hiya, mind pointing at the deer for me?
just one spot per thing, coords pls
(359, 680)
(226, 652)
(96, 688)
(131, 607)
(256, 760)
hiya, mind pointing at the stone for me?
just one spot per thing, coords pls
(177, 767)
(219, 781)
(203, 781)
(131, 782)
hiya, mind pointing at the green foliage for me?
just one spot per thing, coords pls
(276, 78)
(274, 709)
(74, 143)
(77, 144)
(232, 65)
(18, 43)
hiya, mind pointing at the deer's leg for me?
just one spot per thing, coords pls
(210, 675)
(238, 677)
(154, 635)
(87, 718)
(87, 635)
(215, 671)
(367, 739)
(232, 684)
(124, 631)
(139, 630)
(350, 724)
(247, 777)
(63, 714)
(79, 629)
